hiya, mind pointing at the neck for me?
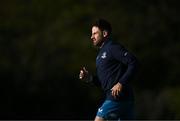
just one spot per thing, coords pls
(102, 44)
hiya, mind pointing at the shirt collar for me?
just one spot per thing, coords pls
(105, 43)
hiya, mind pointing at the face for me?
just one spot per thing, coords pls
(97, 36)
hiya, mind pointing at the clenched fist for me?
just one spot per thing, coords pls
(84, 74)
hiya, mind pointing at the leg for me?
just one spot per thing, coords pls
(112, 110)
(108, 111)
(97, 118)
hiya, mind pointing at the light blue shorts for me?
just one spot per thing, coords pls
(113, 110)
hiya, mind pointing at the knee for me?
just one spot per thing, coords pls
(97, 118)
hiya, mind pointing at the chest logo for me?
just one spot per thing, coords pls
(104, 55)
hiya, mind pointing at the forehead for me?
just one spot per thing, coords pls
(95, 29)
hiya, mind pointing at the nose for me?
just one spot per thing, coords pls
(91, 36)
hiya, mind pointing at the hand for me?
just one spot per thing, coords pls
(116, 89)
(84, 74)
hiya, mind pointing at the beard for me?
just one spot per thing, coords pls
(98, 43)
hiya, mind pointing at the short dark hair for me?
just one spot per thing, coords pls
(102, 24)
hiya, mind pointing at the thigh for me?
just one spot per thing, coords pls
(112, 110)
(109, 110)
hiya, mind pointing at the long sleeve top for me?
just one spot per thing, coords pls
(115, 64)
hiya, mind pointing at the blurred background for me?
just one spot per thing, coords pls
(44, 43)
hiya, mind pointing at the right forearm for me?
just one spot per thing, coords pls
(92, 79)
(95, 80)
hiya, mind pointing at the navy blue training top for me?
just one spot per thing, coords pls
(115, 64)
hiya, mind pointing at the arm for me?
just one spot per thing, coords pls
(95, 80)
(87, 77)
(122, 55)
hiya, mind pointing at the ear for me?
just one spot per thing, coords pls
(105, 33)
